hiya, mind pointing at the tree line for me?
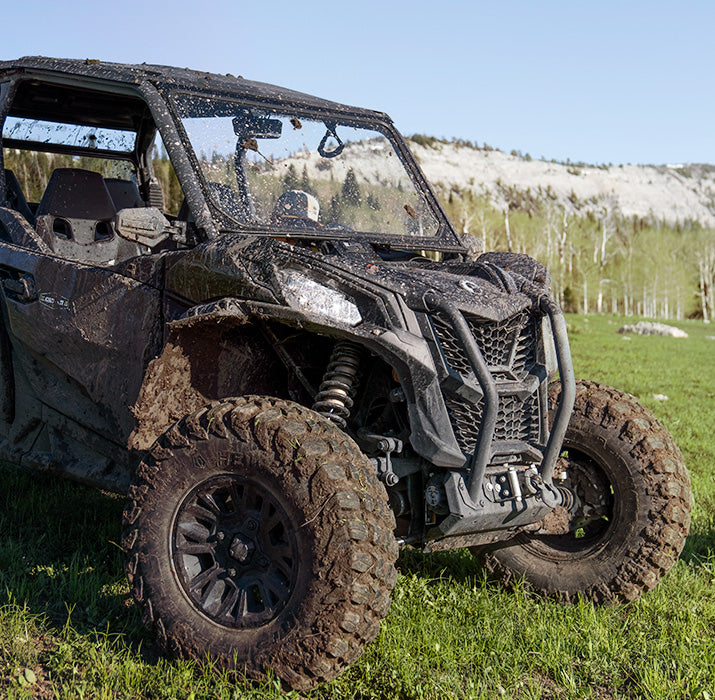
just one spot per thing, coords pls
(599, 260)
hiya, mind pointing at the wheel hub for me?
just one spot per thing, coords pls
(242, 548)
(587, 503)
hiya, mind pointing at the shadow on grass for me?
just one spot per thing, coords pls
(461, 566)
(700, 545)
(61, 557)
(699, 548)
(458, 565)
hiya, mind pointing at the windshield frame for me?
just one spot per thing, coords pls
(445, 238)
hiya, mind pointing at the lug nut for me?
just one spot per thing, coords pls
(241, 548)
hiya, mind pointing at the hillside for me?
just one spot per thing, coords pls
(633, 239)
(673, 194)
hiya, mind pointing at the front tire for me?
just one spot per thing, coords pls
(633, 506)
(258, 533)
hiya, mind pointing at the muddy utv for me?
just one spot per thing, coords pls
(245, 308)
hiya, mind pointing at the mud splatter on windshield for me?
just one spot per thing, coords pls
(39, 131)
(268, 169)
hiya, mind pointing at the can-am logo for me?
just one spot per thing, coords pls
(54, 301)
(469, 286)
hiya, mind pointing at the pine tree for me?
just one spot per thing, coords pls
(305, 183)
(373, 202)
(351, 189)
(290, 179)
(335, 207)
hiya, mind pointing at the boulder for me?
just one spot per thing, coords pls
(652, 328)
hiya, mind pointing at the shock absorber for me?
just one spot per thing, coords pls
(335, 395)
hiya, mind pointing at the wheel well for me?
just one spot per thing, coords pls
(205, 361)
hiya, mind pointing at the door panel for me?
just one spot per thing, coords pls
(82, 335)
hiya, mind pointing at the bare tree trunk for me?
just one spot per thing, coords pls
(706, 270)
(483, 228)
(562, 241)
(466, 219)
(710, 280)
(508, 230)
(585, 295)
(678, 307)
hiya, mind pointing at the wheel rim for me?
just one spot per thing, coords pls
(234, 551)
(593, 520)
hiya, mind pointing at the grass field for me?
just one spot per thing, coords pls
(68, 628)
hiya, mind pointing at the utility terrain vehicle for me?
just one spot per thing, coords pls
(292, 365)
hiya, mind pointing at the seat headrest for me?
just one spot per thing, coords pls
(124, 193)
(76, 194)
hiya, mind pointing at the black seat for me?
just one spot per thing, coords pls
(76, 214)
(14, 196)
(226, 197)
(124, 193)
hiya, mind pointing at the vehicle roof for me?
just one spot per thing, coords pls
(172, 78)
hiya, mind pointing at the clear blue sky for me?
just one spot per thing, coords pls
(609, 81)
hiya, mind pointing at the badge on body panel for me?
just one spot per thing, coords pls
(54, 301)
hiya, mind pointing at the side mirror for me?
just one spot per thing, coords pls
(146, 226)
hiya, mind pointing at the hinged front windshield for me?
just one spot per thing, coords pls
(274, 170)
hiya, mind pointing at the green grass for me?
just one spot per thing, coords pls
(68, 628)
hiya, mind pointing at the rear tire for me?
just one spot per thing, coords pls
(258, 533)
(635, 506)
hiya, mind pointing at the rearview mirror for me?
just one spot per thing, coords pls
(257, 127)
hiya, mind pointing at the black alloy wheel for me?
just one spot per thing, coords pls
(235, 551)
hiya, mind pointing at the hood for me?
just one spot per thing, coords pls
(494, 287)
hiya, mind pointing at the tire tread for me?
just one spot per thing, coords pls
(346, 503)
(656, 546)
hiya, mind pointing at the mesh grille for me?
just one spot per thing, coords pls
(466, 418)
(451, 347)
(509, 348)
(525, 352)
(516, 420)
(497, 340)
(509, 344)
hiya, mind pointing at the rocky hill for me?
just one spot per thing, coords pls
(666, 193)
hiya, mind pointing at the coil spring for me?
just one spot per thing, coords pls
(335, 395)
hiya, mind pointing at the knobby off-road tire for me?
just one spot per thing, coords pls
(628, 471)
(257, 532)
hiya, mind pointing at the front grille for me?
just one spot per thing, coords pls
(451, 346)
(525, 352)
(509, 350)
(516, 420)
(506, 344)
(465, 417)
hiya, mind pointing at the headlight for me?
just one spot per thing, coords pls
(302, 292)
